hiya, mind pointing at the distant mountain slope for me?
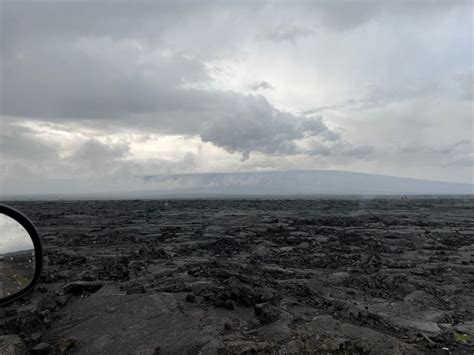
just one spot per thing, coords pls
(325, 182)
(300, 183)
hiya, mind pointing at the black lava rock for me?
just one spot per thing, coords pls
(229, 304)
(190, 298)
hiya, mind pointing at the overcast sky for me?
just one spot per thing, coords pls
(100, 91)
(13, 236)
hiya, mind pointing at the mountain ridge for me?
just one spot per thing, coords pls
(287, 183)
(293, 182)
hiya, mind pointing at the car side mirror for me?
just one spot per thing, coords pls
(21, 256)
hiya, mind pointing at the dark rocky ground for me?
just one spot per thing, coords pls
(382, 276)
(16, 271)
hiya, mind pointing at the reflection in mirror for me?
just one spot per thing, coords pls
(17, 257)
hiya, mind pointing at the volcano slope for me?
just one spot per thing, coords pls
(338, 276)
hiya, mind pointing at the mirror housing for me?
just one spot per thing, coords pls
(28, 226)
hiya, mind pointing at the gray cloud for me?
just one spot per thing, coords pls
(90, 18)
(94, 154)
(445, 149)
(263, 85)
(95, 78)
(348, 14)
(464, 160)
(458, 154)
(287, 33)
(316, 110)
(21, 143)
(26, 155)
(95, 81)
(344, 15)
(139, 17)
(254, 125)
(380, 96)
(465, 82)
(338, 148)
(376, 97)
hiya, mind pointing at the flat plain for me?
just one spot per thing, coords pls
(248, 276)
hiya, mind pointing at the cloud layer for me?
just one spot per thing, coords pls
(106, 88)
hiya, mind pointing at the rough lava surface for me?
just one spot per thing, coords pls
(322, 276)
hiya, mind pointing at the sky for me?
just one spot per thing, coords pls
(14, 236)
(96, 93)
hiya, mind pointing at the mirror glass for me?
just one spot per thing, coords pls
(17, 257)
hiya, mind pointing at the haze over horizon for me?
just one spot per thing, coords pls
(263, 183)
(96, 93)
